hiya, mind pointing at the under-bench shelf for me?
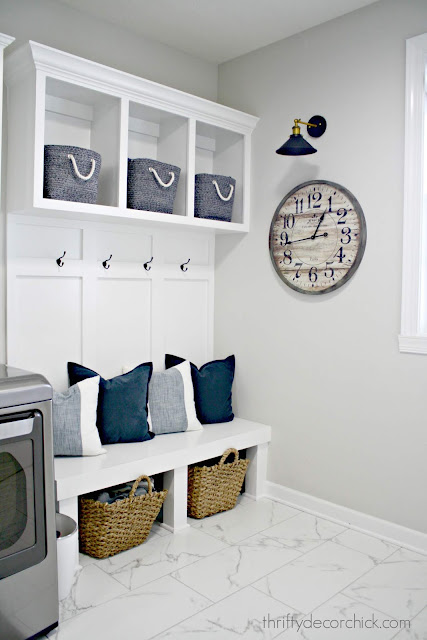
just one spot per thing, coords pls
(169, 454)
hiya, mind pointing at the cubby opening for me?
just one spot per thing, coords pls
(220, 151)
(162, 136)
(81, 117)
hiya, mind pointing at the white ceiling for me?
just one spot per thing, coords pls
(217, 30)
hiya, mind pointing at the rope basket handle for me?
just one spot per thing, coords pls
(136, 483)
(76, 169)
(223, 198)
(227, 453)
(160, 181)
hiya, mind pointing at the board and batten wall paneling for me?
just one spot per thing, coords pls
(107, 319)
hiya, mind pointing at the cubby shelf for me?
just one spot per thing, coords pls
(57, 98)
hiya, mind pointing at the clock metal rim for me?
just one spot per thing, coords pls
(362, 244)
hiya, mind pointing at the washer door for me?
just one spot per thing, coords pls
(22, 501)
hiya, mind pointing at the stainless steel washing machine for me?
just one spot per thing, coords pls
(28, 567)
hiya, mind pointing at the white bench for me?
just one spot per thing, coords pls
(169, 454)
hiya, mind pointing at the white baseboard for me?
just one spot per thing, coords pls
(388, 531)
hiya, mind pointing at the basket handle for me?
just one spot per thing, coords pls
(136, 483)
(227, 453)
(160, 181)
(223, 198)
(76, 170)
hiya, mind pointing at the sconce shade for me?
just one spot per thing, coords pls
(296, 146)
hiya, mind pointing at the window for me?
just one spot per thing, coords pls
(413, 336)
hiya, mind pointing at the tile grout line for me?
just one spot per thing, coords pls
(131, 590)
(352, 598)
(236, 544)
(251, 584)
(366, 554)
(411, 621)
(231, 544)
(338, 592)
(212, 603)
(85, 609)
(355, 599)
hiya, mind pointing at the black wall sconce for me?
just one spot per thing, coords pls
(296, 145)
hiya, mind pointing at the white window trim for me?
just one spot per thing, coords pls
(411, 339)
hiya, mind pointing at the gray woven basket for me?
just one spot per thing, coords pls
(214, 196)
(71, 173)
(152, 185)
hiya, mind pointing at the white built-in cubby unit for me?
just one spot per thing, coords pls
(58, 98)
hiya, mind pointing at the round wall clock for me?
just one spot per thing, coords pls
(317, 237)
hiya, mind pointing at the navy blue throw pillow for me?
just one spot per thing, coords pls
(122, 403)
(212, 388)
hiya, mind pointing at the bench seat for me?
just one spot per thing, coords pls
(169, 454)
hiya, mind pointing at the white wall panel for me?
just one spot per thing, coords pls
(35, 241)
(47, 328)
(123, 324)
(177, 249)
(124, 247)
(186, 319)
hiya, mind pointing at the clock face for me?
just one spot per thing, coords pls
(317, 237)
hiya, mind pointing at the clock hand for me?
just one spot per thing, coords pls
(320, 222)
(321, 235)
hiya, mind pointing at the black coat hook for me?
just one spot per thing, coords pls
(146, 267)
(105, 263)
(184, 267)
(59, 261)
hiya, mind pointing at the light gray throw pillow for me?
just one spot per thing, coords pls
(74, 420)
(171, 401)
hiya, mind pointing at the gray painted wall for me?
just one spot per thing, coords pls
(58, 25)
(348, 410)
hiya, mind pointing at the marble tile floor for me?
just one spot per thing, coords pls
(262, 570)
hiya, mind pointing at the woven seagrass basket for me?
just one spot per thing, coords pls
(107, 529)
(216, 488)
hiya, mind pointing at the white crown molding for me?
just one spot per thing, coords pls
(17, 64)
(370, 525)
(413, 223)
(71, 68)
(5, 40)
